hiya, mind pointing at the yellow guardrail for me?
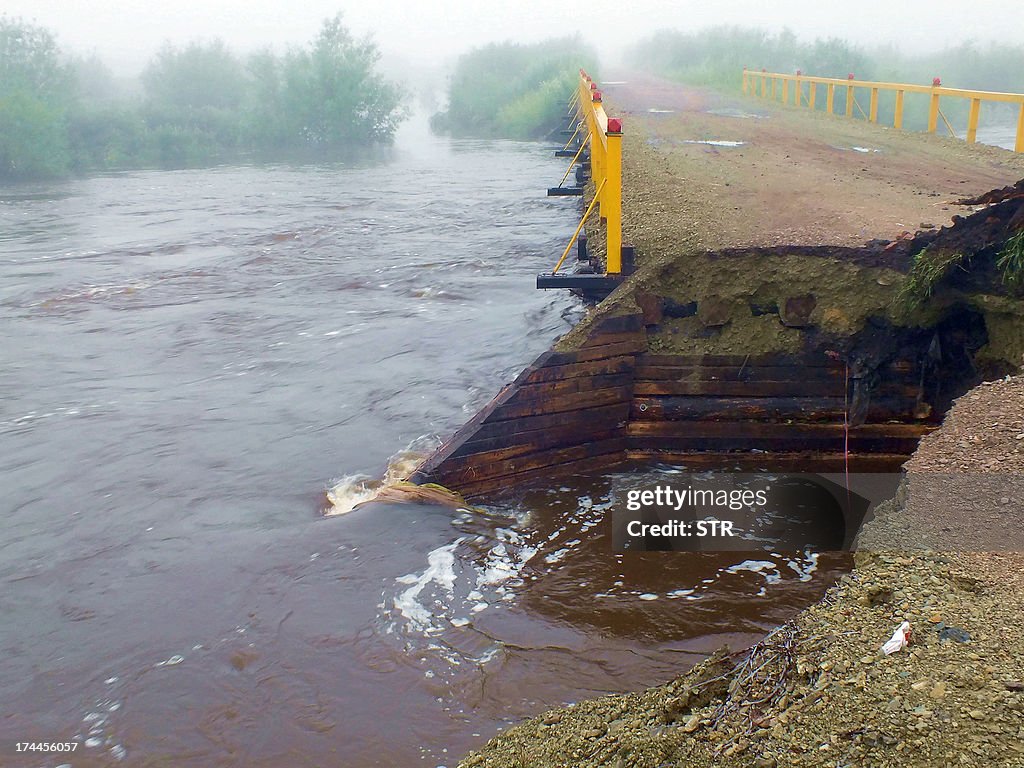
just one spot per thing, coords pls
(775, 86)
(604, 136)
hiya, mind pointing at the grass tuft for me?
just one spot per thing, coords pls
(1010, 262)
(928, 270)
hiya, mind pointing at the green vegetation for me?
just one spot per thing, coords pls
(197, 105)
(715, 57)
(928, 269)
(513, 91)
(1010, 261)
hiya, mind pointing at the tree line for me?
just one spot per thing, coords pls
(512, 90)
(194, 105)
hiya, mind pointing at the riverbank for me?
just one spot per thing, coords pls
(817, 691)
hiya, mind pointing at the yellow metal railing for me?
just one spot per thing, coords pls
(770, 82)
(604, 136)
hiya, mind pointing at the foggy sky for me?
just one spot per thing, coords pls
(431, 32)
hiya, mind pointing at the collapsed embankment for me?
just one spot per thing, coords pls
(795, 357)
(817, 691)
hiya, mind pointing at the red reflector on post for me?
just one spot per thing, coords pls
(614, 125)
(850, 76)
(936, 82)
(597, 96)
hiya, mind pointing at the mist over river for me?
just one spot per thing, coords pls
(192, 359)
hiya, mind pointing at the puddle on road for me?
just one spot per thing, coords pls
(738, 113)
(715, 142)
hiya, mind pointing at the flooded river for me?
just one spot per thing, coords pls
(192, 360)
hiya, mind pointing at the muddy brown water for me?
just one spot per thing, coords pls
(191, 359)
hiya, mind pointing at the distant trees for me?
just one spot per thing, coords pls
(714, 56)
(199, 103)
(514, 91)
(36, 90)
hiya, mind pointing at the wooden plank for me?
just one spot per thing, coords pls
(597, 418)
(619, 324)
(773, 462)
(736, 361)
(524, 444)
(597, 353)
(753, 374)
(604, 339)
(765, 409)
(497, 487)
(780, 444)
(762, 389)
(737, 388)
(655, 373)
(742, 429)
(548, 389)
(454, 475)
(573, 401)
(573, 370)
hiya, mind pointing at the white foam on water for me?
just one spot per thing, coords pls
(769, 569)
(441, 571)
(805, 570)
(654, 111)
(865, 150)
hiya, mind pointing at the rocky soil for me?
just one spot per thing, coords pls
(818, 691)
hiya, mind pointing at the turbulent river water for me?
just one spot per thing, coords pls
(192, 360)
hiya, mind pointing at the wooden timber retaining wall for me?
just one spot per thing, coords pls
(611, 401)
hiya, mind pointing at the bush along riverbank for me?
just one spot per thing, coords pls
(818, 691)
(513, 91)
(194, 105)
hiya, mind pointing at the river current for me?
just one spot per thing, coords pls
(193, 362)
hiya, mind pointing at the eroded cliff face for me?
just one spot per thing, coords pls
(954, 296)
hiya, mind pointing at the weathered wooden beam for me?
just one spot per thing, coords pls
(793, 461)
(709, 408)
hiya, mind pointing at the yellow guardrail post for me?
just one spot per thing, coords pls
(849, 95)
(830, 98)
(604, 138)
(873, 108)
(613, 198)
(897, 115)
(812, 92)
(972, 121)
(796, 96)
(1019, 146)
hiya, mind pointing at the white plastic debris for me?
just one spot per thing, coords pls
(900, 639)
